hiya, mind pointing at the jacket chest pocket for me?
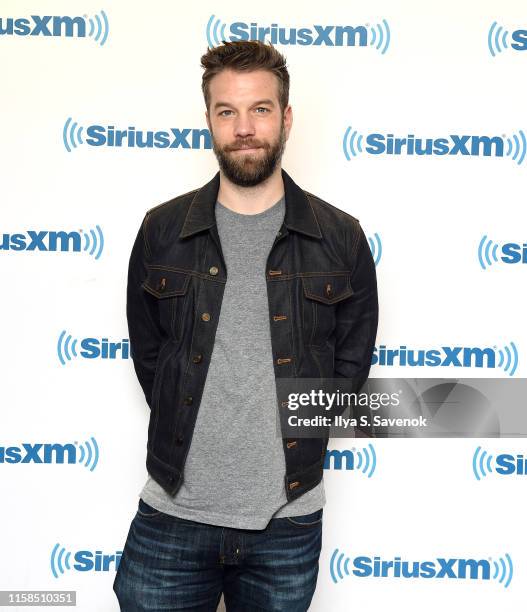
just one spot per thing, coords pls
(321, 296)
(170, 288)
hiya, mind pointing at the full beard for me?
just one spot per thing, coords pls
(250, 169)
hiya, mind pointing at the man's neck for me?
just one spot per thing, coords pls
(251, 200)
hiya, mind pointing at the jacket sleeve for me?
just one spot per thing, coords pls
(143, 316)
(357, 317)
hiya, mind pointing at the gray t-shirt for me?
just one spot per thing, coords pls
(235, 467)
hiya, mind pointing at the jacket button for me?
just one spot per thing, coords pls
(188, 400)
(213, 270)
(197, 358)
(179, 441)
(291, 444)
(205, 316)
(294, 485)
(162, 284)
(328, 290)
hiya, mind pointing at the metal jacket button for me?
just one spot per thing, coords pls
(162, 284)
(188, 400)
(213, 270)
(328, 290)
(197, 358)
(205, 316)
(294, 485)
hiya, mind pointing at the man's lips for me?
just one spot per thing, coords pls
(246, 148)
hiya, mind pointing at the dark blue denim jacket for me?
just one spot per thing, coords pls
(323, 313)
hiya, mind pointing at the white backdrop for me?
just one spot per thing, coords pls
(434, 70)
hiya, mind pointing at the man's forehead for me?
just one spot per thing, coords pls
(244, 83)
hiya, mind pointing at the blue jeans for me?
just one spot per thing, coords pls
(170, 563)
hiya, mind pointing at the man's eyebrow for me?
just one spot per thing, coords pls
(267, 101)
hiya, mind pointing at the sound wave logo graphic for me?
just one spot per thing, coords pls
(503, 570)
(481, 463)
(367, 460)
(66, 347)
(380, 36)
(487, 250)
(60, 560)
(497, 39)
(72, 135)
(352, 143)
(517, 147)
(508, 358)
(99, 28)
(89, 453)
(93, 242)
(500, 570)
(215, 32)
(338, 564)
(375, 247)
(363, 460)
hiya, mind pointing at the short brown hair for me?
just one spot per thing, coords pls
(245, 55)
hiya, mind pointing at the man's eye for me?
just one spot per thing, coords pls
(225, 111)
(263, 108)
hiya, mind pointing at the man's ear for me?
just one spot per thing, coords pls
(288, 120)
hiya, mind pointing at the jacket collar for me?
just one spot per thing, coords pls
(299, 214)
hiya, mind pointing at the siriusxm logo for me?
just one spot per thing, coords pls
(503, 464)
(490, 252)
(355, 144)
(86, 453)
(83, 561)
(440, 567)
(91, 348)
(96, 27)
(363, 460)
(499, 39)
(90, 242)
(131, 137)
(446, 356)
(376, 36)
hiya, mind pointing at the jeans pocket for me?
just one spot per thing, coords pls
(147, 511)
(306, 520)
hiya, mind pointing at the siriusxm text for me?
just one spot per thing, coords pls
(41, 240)
(317, 35)
(454, 144)
(457, 356)
(175, 138)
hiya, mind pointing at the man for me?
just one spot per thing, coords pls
(231, 287)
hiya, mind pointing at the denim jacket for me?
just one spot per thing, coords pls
(323, 313)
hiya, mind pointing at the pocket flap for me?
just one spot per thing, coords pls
(328, 288)
(165, 282)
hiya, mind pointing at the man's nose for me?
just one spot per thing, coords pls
(244, 125)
